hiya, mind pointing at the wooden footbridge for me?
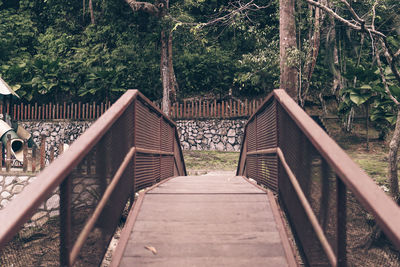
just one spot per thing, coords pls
(297, 199)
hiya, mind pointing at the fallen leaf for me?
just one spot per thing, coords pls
(152, 249)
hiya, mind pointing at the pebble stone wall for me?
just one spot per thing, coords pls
(217, 134)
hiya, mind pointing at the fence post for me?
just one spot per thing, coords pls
(8, 160)
(25, 160)
(51, 154)
(34, 159)
(42, 151)
(60, 149)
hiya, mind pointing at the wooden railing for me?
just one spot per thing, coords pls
(130, 147)
(334, 208)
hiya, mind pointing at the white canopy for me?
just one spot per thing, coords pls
(5, 89)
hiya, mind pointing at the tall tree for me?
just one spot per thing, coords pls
(288, 47)
(160, 10)
(387, 45)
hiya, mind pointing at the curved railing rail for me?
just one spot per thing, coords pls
(336, 211)
(68, 214)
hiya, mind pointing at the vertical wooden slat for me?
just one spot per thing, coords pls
(58, 111)
(101, 108)
(43, 112)
(94, 110)
(68, 111)
(223, 109)
(230, 107)
(15, 111)
(50, 111)
(29, 112)
(98, 111)
(17, 115)
(8, 108)
(79, 110)
(184, 108)
(64, 110)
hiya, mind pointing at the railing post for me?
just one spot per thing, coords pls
(65, 221)
(341, 224)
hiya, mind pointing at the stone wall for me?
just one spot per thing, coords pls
(85, 192)
(213, 134)
(57, 132)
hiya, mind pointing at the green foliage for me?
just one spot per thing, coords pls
(50, 51)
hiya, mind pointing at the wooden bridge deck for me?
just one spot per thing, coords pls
(204, 221)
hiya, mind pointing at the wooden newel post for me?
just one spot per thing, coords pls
(51, 154)
(42, 152)
(25, 153)
(60, 149)
(8, 160)
(34, 159)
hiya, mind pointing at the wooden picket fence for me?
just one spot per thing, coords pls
(193, 109)
(213, 109)
(55, 111)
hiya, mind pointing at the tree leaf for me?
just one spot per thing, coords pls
(152, 249)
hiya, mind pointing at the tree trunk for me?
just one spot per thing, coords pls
(393, 160)
(165, 74)
(311, 57)
(287, 36)
(172, 79)
(91, 12)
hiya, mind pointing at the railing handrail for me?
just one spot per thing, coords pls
(47, 181)
(384, 209)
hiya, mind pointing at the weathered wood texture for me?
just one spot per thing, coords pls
(205, 221)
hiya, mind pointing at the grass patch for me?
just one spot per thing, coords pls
(374, 160)
(210, 160)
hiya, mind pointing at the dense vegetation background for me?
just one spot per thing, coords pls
(50, 50)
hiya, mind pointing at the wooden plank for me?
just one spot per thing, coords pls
(205, 221)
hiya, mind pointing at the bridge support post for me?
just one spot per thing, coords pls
(341, 242)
